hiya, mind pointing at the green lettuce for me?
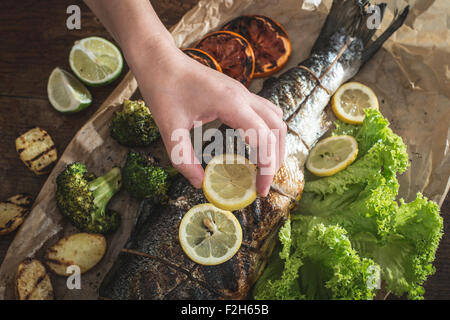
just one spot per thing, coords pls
(350, 224)
(361, 197)
(316, 262)
(407, 253)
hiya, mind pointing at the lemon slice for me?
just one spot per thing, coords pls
(350, 100)
(209, 235)
(230, 182)
(96, 61)
(66, 93)
(332, 155)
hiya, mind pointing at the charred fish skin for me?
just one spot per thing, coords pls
(153, 265)
(324, 69)
(304, 91)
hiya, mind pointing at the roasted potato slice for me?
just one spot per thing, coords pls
(32, 281)
(13, 212)
(84, 250)
(37, 150)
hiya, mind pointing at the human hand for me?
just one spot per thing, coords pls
(181, 91)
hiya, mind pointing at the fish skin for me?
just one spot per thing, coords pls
(174, 276)
(166, 272)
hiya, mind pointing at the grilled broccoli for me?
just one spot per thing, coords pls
(134, 125)
(82, 198)
(143, 179)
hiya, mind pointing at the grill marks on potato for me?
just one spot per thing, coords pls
(13, 212)
(23, 200)
(60, 261)
(37, 150)
(84, 250)
(32, 281)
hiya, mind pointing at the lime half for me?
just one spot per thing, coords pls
(96, 61)
(66, 93)
(332, 155)
(209, 235)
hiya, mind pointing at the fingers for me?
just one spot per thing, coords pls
(259, 121)
(272, 115)
(263, 183)
(179, 147)
(268, 162)
(264, 130)
(264, 102)
(274, 122)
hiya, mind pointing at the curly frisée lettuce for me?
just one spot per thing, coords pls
(316, 261)
(350, 224)
(361, 197)
(406, 254)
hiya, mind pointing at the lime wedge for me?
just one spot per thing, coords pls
(66, 93)
(96, 61)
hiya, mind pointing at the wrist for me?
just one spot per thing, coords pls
(150, 54)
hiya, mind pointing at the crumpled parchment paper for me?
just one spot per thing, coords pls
(410, 76)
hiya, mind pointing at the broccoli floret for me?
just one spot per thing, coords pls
(143, 179)
(134, 125)
(82, 198)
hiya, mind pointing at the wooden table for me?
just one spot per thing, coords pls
(34, 40)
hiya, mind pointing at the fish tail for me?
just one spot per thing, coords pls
(372, 47)
(353, 18)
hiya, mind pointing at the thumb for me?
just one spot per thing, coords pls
(181, 153)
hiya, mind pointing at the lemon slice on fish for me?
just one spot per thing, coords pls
(209, 235)
(230, 182)
(95, 61)
(350, 100)
(332, 155)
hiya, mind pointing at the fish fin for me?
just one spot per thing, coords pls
(344, 16)
(350, 17)
(364, 33)
(374, 46)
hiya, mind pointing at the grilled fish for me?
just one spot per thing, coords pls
(153, 266)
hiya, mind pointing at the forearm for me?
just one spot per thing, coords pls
(181, 92)
(136, 27)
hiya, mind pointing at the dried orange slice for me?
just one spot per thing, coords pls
(269, 40)
(233, 52)
(202, 57)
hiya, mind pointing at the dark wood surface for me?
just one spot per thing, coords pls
(35, 40)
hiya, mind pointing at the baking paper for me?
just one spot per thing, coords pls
(410, 76)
